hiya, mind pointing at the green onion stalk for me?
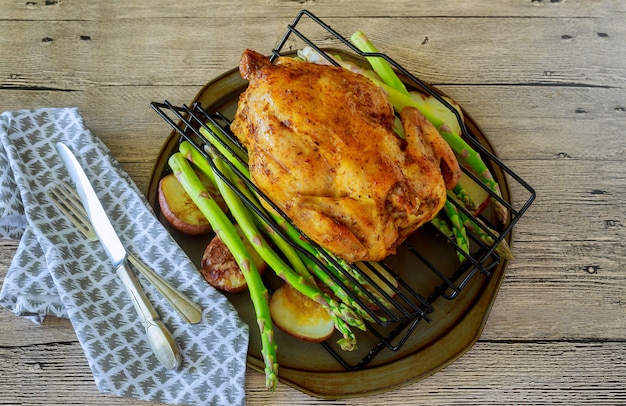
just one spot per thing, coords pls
(226, 231)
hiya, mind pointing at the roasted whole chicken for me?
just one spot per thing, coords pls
(321, 146)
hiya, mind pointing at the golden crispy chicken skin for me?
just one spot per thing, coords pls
(321, 146)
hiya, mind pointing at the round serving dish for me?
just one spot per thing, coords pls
(452, 328)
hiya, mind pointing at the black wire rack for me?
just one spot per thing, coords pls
(400, 304)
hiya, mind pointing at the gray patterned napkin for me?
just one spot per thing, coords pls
(57, 271)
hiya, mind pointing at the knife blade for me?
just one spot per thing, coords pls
(159, 337)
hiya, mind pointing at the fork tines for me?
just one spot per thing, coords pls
(68, 202)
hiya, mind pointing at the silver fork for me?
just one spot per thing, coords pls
(68, 202)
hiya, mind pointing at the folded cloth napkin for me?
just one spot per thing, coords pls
(57, 271)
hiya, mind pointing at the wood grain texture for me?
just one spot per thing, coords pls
(493, 372)
(545, 80)
(514, 51)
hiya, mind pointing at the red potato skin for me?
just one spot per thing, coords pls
(220, 269)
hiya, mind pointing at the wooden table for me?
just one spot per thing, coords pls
(545, 79)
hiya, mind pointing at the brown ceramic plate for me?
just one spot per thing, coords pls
(454, 326)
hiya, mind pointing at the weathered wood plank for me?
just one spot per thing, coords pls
(82, 54)
(545, 81)
(548, 122)
(492, 372)
(212, 10)
(513, 373)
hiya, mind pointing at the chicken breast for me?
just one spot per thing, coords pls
(321, 147)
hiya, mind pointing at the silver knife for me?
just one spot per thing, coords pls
(159, 337)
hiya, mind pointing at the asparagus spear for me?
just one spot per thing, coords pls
(282, 270)
(193, 155)
(294, 234)
(442, 225)
(478, 227)
(226, 231)
(358, 277)
(247, 221)
(380, 65)
(458, 229)
(399, 98)
(337, 289)
(466, 199)
(299, 240)
(469, 157)
(464, 152)
(232, 153)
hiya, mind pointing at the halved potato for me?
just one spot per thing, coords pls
(179, 209)
(299, 316)
(220, 268)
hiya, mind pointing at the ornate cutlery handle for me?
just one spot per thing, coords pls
(159, 337)
(189, 310)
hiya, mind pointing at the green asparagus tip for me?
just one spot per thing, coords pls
(347, 345)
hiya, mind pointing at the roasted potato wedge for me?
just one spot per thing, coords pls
(179, 209)
(220, 269)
